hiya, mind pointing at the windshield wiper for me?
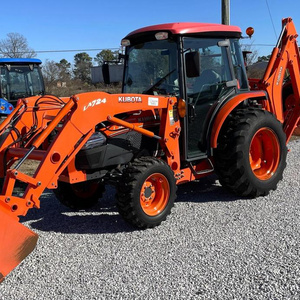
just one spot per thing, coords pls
(158, 83)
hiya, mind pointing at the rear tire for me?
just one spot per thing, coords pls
(251, 154)
(146, 192)
(81, 195)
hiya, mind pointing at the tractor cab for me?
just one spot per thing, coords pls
(200, 63)
(20, 78)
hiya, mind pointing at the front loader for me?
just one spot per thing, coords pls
(186, 111)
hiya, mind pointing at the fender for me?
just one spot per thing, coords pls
(227, 108)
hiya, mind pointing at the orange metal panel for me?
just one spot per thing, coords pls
(285, 56)
(16, 242)
(227, 109)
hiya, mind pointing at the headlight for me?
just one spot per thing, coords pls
(97, 139)
(5, 107)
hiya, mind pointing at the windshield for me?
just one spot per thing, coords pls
(238, 63)
(152, 68)
(19, 82)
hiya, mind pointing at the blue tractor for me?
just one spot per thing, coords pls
(19, 78)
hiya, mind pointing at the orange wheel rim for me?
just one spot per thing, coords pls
(154, 194)
(264, 154)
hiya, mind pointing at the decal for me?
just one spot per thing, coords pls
(171, 117)
(94, 103)
(129, 99)
(279, 76)
(152, 101)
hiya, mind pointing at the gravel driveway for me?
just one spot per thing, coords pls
(213, 246)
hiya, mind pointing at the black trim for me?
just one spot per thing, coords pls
(218, 105)
(146, 36)
(183, 136)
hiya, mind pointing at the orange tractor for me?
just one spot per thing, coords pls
(186, 110)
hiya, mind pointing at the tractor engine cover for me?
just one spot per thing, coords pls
(118, 150)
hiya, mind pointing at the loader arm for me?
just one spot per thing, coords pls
(26, 136)
(285, 56)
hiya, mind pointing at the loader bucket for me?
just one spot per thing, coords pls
(16, 242)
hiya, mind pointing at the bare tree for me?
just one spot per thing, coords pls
(252, 55)
(50, 73)
(15, 46)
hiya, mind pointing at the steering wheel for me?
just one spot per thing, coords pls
(206, 86)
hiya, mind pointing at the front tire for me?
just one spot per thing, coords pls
(146, 192)
(81, 195)
(251, 153)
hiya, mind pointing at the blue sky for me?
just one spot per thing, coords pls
(90, 24)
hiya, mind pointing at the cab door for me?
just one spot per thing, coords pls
(203, 88)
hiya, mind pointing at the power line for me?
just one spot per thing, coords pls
(73, 50)
(260, 45)
(271, 18)
(100, 49)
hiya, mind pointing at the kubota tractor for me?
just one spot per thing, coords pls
(186, 111)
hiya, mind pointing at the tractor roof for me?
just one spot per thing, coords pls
(20, 61)
(190, 29)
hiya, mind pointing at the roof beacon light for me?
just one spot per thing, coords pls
(125, 42)
(161, 35)
(250, 31)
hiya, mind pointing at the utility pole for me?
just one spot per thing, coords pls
(225, 12)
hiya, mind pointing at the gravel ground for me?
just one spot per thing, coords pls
(213, 246)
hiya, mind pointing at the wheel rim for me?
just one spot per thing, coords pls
(154, 194)
(264, 153)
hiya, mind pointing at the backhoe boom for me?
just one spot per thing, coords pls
(285, 58)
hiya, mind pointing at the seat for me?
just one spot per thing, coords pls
(207, 78)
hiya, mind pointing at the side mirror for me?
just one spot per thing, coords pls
(192, 63)
(105, 73)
